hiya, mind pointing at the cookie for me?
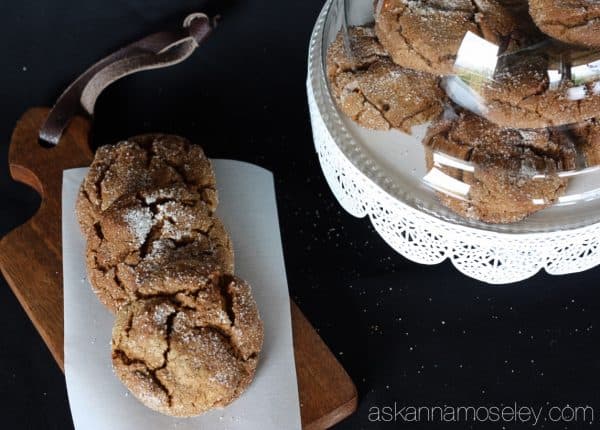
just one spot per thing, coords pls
(426, 34)
(587, 139)
(523, 94)
(185, 354)
(527, 33)
(374, 91)
(154, 242)
(503, 167)
(572, 21)
(143, 162)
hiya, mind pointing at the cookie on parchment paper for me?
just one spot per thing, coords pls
(154, 242)
(188, 353)
(139, 163)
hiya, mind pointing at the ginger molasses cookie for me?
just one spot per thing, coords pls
(142, 162)
(587, 139)
(426, 34)
(525, 93)
(512, 174)
(154, 242)
(374, 91)
(571, 21)
(185, 354)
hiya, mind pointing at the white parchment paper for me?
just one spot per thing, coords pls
(99, 401)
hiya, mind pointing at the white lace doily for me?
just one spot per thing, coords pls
(489, 256)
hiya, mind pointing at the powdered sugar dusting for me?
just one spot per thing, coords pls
(139, 222)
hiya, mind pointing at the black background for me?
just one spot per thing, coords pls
(407, 333)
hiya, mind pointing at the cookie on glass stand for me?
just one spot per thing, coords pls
(505, 175)
(374, 91)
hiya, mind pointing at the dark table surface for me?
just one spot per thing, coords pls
(406, 333)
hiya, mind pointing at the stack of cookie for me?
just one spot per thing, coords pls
(391, 76)
(188, 333)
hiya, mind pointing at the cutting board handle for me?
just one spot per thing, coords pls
(31, 254)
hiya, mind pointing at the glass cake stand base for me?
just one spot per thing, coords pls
(426, 235)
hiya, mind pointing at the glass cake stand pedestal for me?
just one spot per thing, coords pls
(374, 174)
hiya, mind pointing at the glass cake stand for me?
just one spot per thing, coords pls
(383, 175)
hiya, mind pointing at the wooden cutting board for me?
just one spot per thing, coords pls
(31, 262)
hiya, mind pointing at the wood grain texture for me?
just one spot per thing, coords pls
(31, 262)
(327, 394)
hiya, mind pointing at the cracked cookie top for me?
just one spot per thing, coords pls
(155, 241)
(143, 162)
(513, 173)
(426, 34)
(587, 138)
(374, 91)
(571, 21)
(186, 353)
(522, 95)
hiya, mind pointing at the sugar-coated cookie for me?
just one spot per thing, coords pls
(523, 94)
(513, 173)
(142, 162)
(586, 136)
(374, 91)
(426, 34)
(187, 353)
(571, 21)
(154, 242)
